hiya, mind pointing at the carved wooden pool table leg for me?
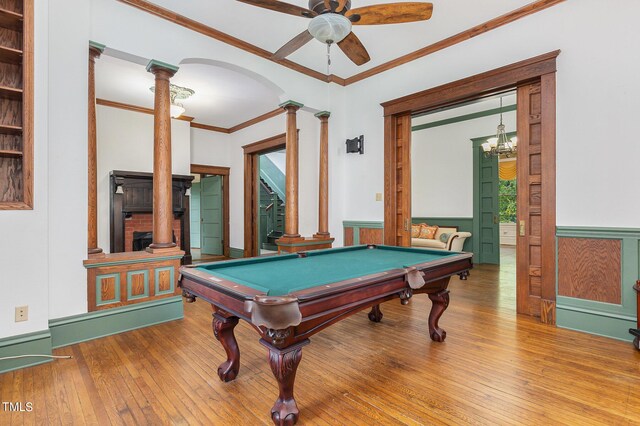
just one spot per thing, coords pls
(440, 303)
(375, 314)
(223, 326)
(284, 364)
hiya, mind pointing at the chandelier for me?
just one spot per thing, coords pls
(500, 145)
(176, 92)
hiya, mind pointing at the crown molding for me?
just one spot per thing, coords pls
(129, 107)
(475, 31)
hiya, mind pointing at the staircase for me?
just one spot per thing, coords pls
(271, 216)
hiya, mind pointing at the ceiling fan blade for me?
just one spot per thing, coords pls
(294, 44)
(390, 13)
(279, 6)
(353, 48)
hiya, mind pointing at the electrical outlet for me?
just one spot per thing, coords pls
(22, 313)
(378, 196)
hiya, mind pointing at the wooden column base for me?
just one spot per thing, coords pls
(172, 249)
(294, 245)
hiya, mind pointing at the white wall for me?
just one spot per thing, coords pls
(125, 142)
(442, 165)
(597, 102)
(24, 238)
(279, 159)
(210, 148)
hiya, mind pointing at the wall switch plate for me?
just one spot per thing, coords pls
(22, 313)
(378, 196)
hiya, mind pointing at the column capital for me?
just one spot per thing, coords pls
(95, 49)
(291, 105)
(322, 114)
(155, 66)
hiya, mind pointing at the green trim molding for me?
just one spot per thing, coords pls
(236, 253)
(322, 114)
(38, 343)
(92, 325)
(466, 117)
(605, 319)
(80, 328)
(464, 224)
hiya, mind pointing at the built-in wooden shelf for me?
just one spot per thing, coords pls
(11, 56)
(10, 20)
(10, 93)
(6, 129)
(10, 153)
(16, 104)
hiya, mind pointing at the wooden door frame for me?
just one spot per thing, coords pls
(251, 153)
(537, 69)
(224, 172)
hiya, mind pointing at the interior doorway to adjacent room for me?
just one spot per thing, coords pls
(209, 212)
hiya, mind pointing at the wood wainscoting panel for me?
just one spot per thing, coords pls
(371, 236)
(590, 268)
(348, 236)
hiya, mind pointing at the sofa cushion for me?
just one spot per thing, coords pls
(428, 232)
(415, 231)
(424, 242)
(444, 237)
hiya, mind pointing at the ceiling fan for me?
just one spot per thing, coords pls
(331, 22)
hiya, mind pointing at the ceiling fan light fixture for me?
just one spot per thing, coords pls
(176, 110)
(330, 27)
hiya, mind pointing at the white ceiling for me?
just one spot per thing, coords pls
(223, 97)
(270, 30)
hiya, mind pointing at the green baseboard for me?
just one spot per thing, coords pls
(615, 327)
(38, 343)
(92, 325)
(236, 253)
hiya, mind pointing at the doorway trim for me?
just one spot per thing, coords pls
(252, 152)
(224, 172)
(397, 149)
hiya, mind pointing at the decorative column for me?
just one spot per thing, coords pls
(323, 179)
(162, 192)
(291, 178)
(95, 50)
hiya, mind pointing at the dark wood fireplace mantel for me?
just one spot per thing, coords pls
(132, 192)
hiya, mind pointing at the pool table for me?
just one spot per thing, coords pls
(289, 298)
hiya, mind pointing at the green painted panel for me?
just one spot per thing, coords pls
(38, 343)
(194, 212)
(236, 253)
(99, 278)
(130, 274)
(92, 325)
(466, 117)
(594, 323)
(157, 280)
(606, 319)
(211, 211)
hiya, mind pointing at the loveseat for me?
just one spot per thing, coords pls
(446, 238)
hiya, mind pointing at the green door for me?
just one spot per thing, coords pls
(211, 215)
(194, 211)
(486, 207)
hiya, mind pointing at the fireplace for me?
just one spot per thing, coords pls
(131, 210)
(142, 240)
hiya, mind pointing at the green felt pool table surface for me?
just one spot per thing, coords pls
(284, 274)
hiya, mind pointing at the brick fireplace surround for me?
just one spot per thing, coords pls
(143, 222)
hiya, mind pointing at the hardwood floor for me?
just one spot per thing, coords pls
(494, 368)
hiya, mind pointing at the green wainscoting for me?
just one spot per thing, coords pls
(357, 224)
(606, 319)
(464, 224)
(236, 253)
(38, 343)
(83, 327)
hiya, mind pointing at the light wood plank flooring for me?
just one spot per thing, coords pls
(494, 368)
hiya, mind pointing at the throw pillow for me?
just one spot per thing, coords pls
(444, 237)
(415, 231)
(428, 232)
